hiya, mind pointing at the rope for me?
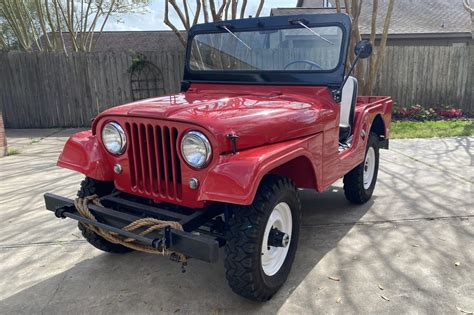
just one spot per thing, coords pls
(151, 224)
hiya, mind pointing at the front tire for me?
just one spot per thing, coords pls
(91, 187)
(359, 184)
(257, 261)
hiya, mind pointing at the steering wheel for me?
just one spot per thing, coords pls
(309, 62)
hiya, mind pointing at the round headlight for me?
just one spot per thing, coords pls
(196, 149)
(114, 138)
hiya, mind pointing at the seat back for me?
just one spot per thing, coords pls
(348, 102)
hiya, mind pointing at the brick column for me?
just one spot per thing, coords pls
(3, 138)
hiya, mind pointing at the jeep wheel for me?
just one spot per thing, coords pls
(91, 187)
(359, 183)
(262, 240)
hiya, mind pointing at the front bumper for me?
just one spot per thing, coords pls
(200, 247)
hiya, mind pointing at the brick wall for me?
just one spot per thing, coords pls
(3, 138)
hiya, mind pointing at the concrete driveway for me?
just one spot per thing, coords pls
(414, 240)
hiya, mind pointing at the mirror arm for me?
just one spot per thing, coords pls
(337, 94)
(350, 71)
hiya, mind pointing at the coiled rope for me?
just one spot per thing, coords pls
(150, 225)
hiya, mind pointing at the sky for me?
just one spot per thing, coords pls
(153, 19)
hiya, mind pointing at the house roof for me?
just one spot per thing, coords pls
(439, 18)
(136, 40)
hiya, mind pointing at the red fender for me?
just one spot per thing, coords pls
(83, 153)
(235, 178)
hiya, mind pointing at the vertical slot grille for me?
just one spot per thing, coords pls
(155, 168)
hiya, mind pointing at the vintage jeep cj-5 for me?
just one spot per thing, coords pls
(266, 109)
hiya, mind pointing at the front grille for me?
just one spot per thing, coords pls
(155, 168)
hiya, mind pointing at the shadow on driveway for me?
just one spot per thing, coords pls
(139, 282)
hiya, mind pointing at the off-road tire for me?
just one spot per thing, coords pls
(243, 249)
(91, 187)
(354, 189)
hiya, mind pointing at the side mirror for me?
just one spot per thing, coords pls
(363, 49)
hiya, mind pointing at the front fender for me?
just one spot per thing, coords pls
(235, 178)
(84, 154)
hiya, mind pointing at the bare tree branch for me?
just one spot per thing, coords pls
(348, 9)
(373, 24)
(58, 21)
(51, 25)
(381, 49)
(470, 9)
(107, 15)
(178, 11)
(205, 10)
(234, 9)
(226, 9)
(260, 8)
(212, 7)
(242, 9)
(11, 11)
(198, 12)
(208, 10)
(171, 25)
(221, 9)
(186, 13)
(42, 21)
(373, 32)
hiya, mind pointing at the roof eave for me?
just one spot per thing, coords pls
(466, 35)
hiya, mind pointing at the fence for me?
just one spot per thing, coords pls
(39, 90)
(428, 75)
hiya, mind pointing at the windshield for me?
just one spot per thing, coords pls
(302, 49)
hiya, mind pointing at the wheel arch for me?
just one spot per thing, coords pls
(300, 170)
(378, 126)
(236, 178)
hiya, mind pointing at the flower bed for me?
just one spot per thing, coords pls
(420, 113)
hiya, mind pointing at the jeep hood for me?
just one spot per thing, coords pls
(257, 119)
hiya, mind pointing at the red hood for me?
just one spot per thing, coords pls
(258, 115)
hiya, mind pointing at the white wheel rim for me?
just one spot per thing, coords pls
(369, 167)
(273, 257)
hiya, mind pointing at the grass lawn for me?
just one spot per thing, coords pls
(429, 129)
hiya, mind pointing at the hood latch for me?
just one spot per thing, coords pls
(233, 141)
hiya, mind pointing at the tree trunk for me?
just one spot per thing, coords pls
(378, 56)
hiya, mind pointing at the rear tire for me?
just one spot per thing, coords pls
(359, 183)
(91, 187)
(255, 269)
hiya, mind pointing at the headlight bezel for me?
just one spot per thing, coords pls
(205, 142)
(121, 134)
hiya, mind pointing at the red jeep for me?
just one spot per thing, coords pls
(267, 108)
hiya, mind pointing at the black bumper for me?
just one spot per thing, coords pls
(196, 246)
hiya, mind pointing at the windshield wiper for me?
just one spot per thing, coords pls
(235, 36)
(300, 22)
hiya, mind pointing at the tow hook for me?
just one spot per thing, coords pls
(278, 238)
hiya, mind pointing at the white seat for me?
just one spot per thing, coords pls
(348, 102)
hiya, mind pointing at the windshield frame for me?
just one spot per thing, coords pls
(284, 77)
